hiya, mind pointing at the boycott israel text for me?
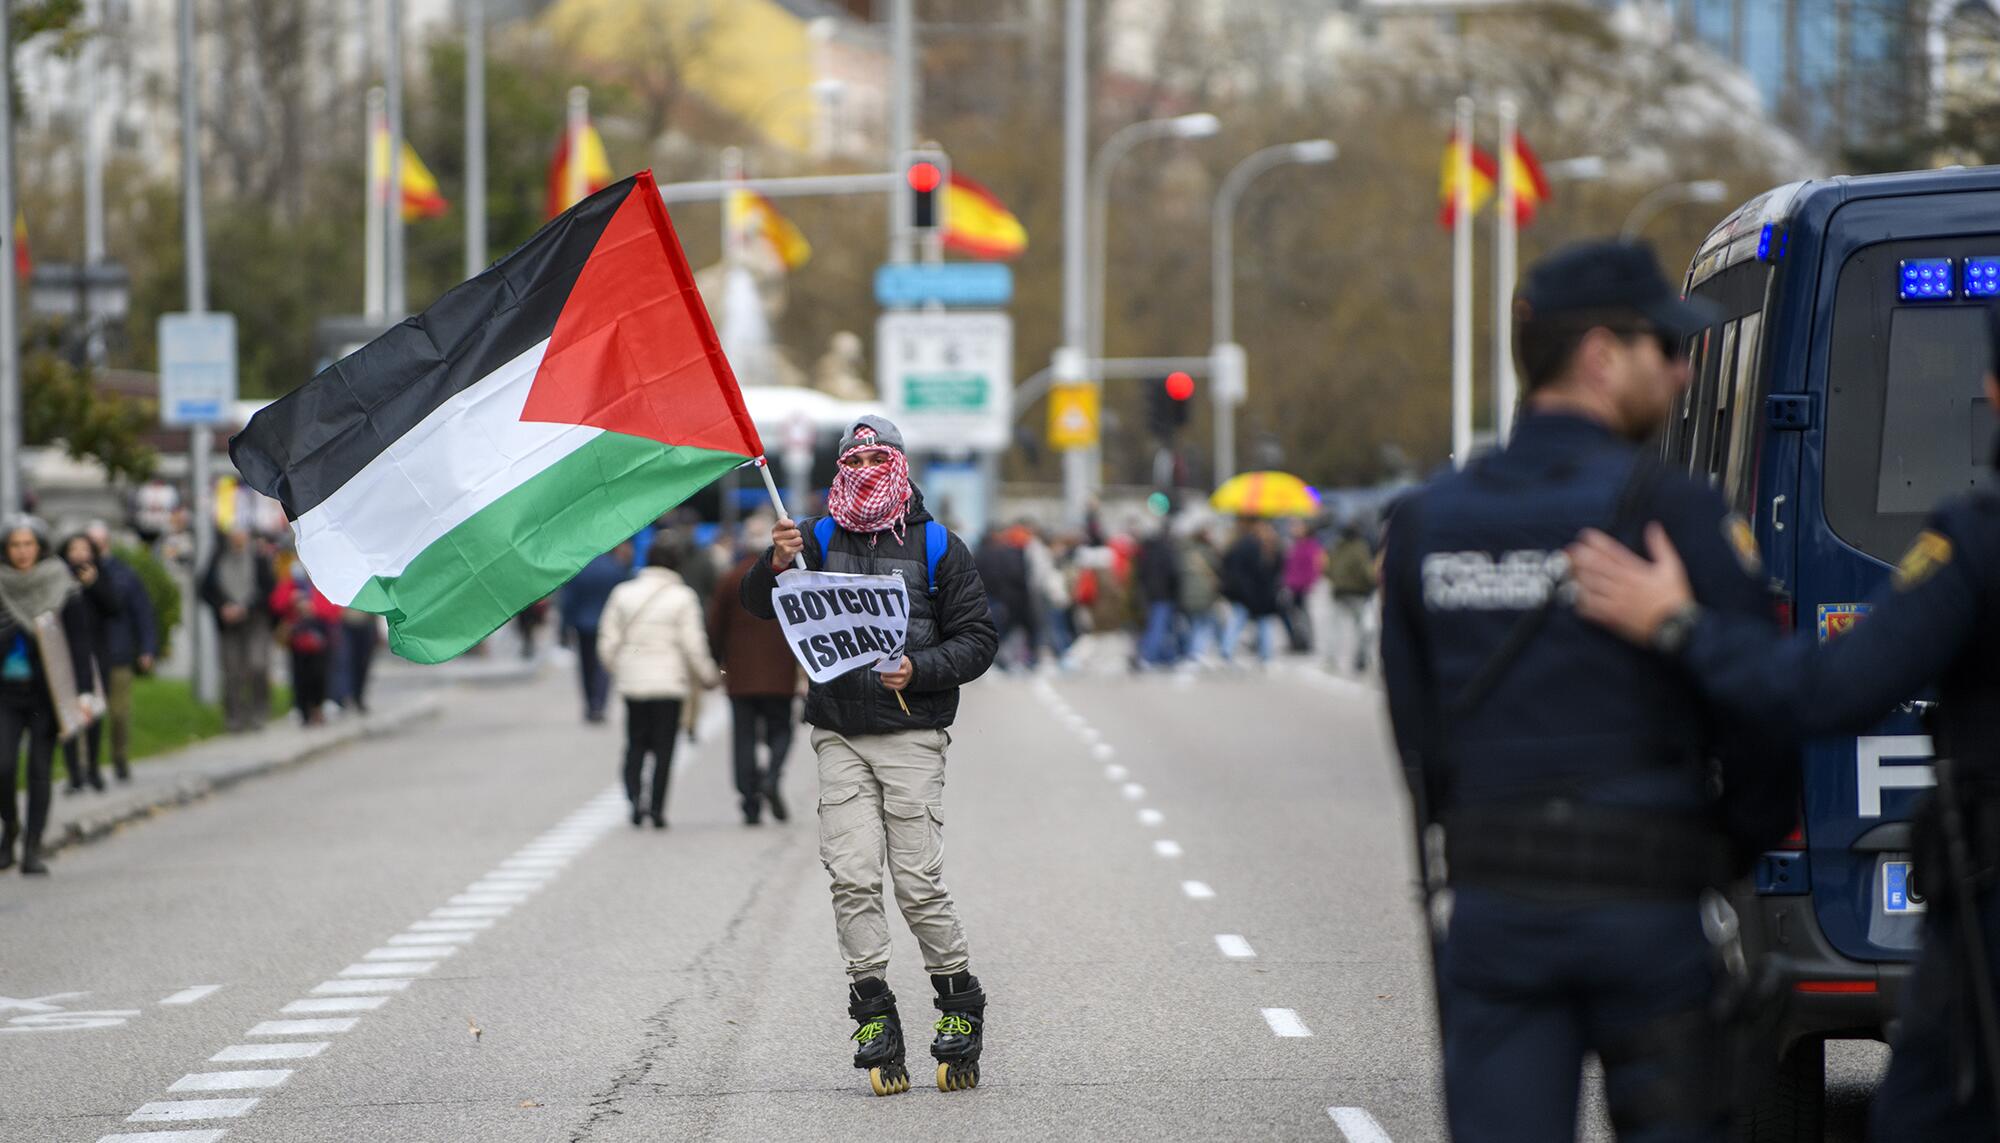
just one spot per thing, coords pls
(836, 622)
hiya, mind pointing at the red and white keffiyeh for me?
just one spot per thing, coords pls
(871, 499)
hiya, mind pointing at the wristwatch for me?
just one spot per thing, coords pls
(1674, 631)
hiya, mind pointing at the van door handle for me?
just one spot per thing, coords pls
(1777, 521)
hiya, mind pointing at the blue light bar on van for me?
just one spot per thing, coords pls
(1982, 277)
(1926, 280)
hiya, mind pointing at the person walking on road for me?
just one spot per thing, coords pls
(881, 741)
(1350, 573)
(1158, 576)
(100, 609)
(1570, 778)
(762, 680)
(583, 600)
(1934, 624)
(238, 584)
(130, 645)
(652, 640)
(36, 590)
(1250, 573)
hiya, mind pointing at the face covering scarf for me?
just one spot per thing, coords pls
(871, 500)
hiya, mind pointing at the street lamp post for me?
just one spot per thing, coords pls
(1227, 368)
(1198, 125)
(1673, 194)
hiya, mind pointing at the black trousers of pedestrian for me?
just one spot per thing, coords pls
(360, 640)
(590, 670)
(651, 726)
(82, 755)
(38, 725)
(310, 677)
(765, 719)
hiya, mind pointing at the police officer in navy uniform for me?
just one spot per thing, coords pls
(1936, 623)
(1570, 776)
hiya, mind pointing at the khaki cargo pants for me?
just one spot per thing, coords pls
(881, 796)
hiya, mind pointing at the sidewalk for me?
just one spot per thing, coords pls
(406, 695)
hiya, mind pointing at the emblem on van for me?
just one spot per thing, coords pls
(1835, 619)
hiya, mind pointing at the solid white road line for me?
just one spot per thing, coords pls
(1234, 946)
(358, 987)
(390, 968)
(333, 1004)
(462, 925)
(431, 939)
(393, 953)
(1198, 890)
(232, 1081)
(1358, 1125)
(243, 1053)
(1151, 817)
(1117, 773)
(1165, 848)
(1285, 1022)
(304, 1027)
(190, 995)
(168, 1110)
(1133, 791)
(164, 1137)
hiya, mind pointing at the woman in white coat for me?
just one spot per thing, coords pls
(654, 643)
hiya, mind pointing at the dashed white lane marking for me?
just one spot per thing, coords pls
(1165, 848)
(164, 1137)
(333, 1004)
(458, 926)
(1358, 1125)
(1198, 890)
(1117, 773)
(1133, 791)
(429, 940)
(190, 995)
(359, 987)
(1234, 946)
(488, 899)
(304, 1027)
(1151, 817)
(1102, 751)
(245, 1053)
(168, 1110)
(398, 952)
(390, 968)
(1285, 1022)
(232, 1081)
(461, 912)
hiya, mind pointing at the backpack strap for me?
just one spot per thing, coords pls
(936, 540)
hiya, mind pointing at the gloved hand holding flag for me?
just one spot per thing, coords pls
(473, 458)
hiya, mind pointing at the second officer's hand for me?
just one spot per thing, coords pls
(1618, 589)
(899, 678)
(786, 543)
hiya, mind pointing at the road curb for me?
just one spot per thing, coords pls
(194, 787)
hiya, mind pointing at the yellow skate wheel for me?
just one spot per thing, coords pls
(888, 1083)
(944, 1077)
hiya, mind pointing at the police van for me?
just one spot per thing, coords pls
(1834, 405)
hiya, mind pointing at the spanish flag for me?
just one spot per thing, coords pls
(596, 169)
(978, 226)
(752, 214)
(421, 197)
(1484, 172)
(1531, 186)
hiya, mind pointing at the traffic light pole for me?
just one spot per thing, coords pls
(1069, 365)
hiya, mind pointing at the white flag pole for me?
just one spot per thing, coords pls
(1506, 247)
(777, 502)
(1461, 289)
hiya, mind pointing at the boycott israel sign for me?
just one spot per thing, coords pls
(837, 622)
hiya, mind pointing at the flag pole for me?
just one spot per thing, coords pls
(372, 272)
(1506, 252)
(777, 502)
(1461, 289)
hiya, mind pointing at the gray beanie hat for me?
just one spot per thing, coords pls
(885, 433)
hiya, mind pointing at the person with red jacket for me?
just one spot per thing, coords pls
(308, 623)
(762, 678)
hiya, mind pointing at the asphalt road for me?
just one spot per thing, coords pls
(1188, 900)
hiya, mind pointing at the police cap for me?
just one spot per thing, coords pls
(1613, 275)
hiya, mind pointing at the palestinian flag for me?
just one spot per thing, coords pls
(476, 456)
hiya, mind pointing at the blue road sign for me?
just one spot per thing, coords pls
(983, 284)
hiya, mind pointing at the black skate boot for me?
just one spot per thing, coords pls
(880, 1035)
(956, 1048)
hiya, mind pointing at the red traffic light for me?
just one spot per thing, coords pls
(924, 177)
(1180, 386)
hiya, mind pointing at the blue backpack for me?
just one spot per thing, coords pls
(935, 541)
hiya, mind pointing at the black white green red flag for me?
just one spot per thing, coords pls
(473, 458)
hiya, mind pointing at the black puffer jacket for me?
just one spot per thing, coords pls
(951, 636)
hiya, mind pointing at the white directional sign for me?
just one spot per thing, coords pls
(197, 368)
(947, 378)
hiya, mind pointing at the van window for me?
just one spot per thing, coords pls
(1739, 468)
(1906, 422)
(1715, 399)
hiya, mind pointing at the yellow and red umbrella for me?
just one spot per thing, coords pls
(1267, 494)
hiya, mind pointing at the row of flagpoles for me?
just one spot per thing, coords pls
(1469, 179)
